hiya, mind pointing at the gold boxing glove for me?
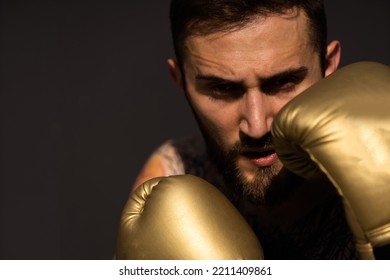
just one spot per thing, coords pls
(183, 217)
(340, 127)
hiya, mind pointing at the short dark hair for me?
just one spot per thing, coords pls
(203, 17)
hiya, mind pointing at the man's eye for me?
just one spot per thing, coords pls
(285, 84)
(225, 91)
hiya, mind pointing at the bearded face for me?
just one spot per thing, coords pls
(236, 82)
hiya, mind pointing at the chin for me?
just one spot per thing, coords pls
(254, 183)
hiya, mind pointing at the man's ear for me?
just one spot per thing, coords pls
(175, 72)
(333, 53)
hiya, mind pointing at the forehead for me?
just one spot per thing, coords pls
(279, 38)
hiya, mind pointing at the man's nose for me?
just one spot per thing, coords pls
(257, 114)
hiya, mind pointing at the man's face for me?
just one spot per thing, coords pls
(236, 82)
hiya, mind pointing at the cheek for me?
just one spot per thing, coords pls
(217, 118)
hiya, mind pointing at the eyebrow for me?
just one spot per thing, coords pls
(212, 78)
(300, 71)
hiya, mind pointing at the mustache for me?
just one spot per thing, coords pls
(249, 143)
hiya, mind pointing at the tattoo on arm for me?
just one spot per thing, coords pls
(164, 162)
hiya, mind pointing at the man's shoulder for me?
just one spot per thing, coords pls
(188, 152)
(191, 155)
(164, 161)
(186, 155)
(191, 150)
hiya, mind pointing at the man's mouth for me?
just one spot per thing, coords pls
(260, 158)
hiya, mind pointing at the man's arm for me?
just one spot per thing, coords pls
(165, 161)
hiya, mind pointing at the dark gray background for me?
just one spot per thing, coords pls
(85, 98)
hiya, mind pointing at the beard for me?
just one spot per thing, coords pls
(256, 189)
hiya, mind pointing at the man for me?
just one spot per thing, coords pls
(238, 63)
